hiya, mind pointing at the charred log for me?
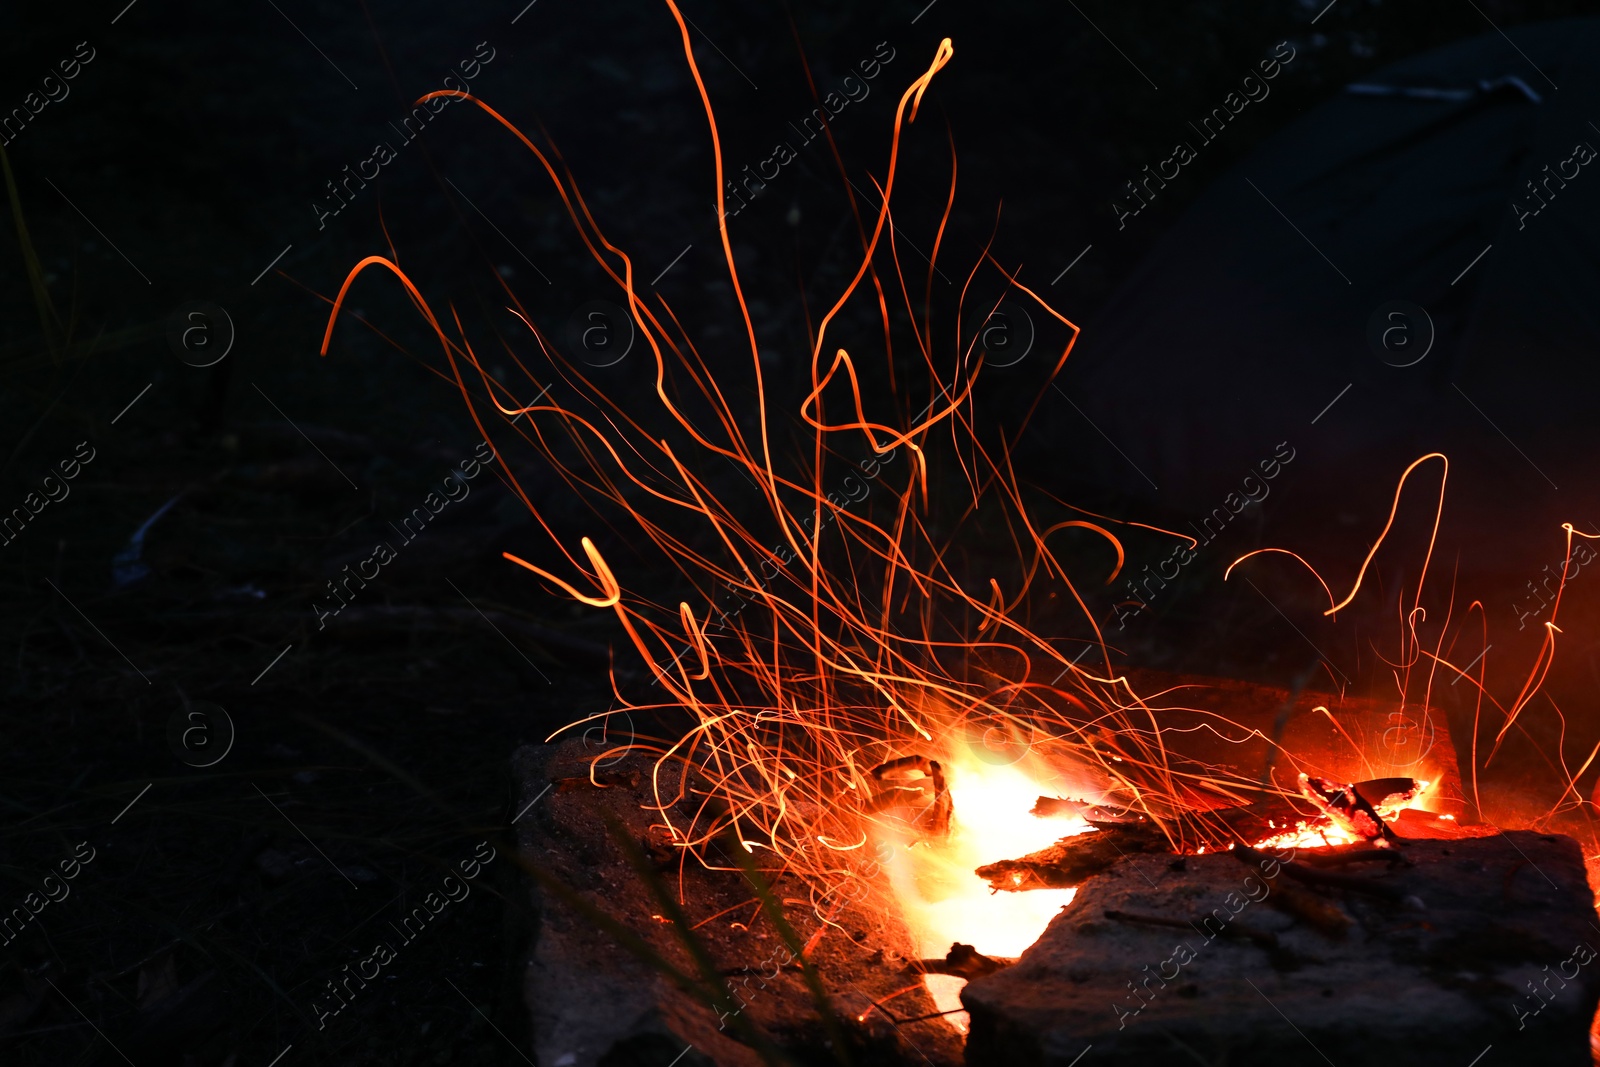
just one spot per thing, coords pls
(1072, 859)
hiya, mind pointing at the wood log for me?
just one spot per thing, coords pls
(1071, 860)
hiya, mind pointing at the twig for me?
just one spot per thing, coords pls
(962, 961)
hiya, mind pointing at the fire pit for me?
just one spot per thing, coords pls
(1066, 927)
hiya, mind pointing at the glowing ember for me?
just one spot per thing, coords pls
(1308, 834)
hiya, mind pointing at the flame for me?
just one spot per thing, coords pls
(944, 902)
(859, 637)
(941, 897)
(1308, 833)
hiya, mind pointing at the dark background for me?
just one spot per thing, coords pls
(186, 158)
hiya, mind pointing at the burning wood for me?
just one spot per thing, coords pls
(930, 808)
(1062, 808)
(1346, 808)
(1391, 793)
(1071, 860)
(1316, 911)
(962, 961)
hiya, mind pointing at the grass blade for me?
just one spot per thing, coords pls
(791, 940)
(680, 922)
(49, 319)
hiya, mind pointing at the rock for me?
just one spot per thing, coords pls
(594, 1003)
(1433, 980)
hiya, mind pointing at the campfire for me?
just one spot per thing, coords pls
(867, 719)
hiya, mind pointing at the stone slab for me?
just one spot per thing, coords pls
(593, 1004)
(1429, 984)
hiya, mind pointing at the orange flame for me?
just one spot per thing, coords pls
(857, 641)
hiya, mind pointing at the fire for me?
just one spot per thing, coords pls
(945, 902)
(941, 898)
(841, 655)
(858, 643)
(1307, 834)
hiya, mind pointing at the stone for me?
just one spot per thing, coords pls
(594, 1004)
(1487, 941)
